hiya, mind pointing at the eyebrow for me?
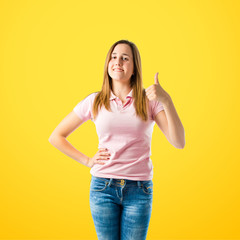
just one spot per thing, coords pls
(123, 54)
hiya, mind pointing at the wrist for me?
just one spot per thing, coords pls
(166, 100)
(86, 161)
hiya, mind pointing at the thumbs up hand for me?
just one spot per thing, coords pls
(156, 92)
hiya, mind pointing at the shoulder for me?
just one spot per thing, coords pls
(87, 100)
(84, 106)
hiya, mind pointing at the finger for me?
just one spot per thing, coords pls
(150, 96)
(150, 87)
(107, 155)
(105, 152)
(103, 149)
(103, 156)
(147, 89)
(101, 161)
(149, 92)
(98, 162)
(156, 78)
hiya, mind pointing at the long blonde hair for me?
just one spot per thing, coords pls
(138, 94)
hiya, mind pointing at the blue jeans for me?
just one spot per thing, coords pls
(121, 208)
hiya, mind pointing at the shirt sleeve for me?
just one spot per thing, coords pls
(156, 108)
(84, 108)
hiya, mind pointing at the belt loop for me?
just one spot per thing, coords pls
(109, 184)
(139, 184)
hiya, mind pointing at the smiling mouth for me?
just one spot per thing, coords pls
(118, 70)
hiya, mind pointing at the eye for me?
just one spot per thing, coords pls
(123, 57)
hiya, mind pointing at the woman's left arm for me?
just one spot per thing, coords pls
(167, 120)
(175, 128)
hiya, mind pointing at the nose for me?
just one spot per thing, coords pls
(117, 61)
(118, 65)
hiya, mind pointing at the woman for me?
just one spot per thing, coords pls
(121, 189)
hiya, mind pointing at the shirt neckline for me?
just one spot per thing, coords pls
(113, 96)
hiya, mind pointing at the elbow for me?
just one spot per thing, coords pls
(51, 139)
(179, 145)
(182, 145)
(54, 138)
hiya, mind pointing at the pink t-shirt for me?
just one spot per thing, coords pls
(126, 136)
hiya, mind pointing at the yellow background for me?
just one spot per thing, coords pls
(52, 55)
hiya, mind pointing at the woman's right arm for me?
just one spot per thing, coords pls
(58, 138)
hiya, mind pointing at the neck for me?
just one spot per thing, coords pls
(121, 91)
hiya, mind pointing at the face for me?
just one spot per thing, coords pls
(120, 66)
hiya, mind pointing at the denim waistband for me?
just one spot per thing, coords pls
(122, 182)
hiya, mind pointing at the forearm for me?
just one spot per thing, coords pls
(62, 144)
(176, 130)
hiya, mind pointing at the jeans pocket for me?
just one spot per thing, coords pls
(98, 185)
(147, 187)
